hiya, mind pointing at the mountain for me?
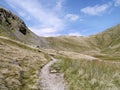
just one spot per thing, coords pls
(20, 65)
(13, 27)
(87, 63)
(69, 43)
(108, 40)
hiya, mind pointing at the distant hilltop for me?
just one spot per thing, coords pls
(14, 28)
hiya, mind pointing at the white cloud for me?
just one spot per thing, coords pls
(44, 31)
(117, 2)
(23, 14)
(72, 17)
(48, 20)
(74, 34)
(96, 10)
(58, 5)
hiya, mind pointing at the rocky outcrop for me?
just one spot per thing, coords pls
(10, 20)
(13, 27)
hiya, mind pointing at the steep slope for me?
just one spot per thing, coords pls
(94, 71)
(108, 39)
(81, 58)
(20, 65)
(105, 42)
(13, 27)
(104, 45)
(71, 43)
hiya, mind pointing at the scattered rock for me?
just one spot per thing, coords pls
(53, 71)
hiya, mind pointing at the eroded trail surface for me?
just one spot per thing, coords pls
(51, 81)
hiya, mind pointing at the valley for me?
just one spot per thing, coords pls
(30, 62)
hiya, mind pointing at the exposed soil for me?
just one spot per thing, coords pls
(51, 81)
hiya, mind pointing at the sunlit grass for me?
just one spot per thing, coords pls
(89, 75)
(108, 57)
(20, 65)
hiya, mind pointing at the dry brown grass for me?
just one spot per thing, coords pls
(83, 74)
(19, 66)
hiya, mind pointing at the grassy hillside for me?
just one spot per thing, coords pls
(105, 42)
(87, 62)
(20, 65)
(70, 43)
(91, 63)
(13, 27)
(108, 43)
(82, 74)
(100, 45)
(108, 40)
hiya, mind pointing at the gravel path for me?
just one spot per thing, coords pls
(51, 81)
(55, 81)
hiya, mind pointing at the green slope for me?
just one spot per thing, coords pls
(13, 27)
(20, 64)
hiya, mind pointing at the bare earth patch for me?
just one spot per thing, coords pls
(51, 81)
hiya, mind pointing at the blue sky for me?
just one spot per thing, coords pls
(66, 17)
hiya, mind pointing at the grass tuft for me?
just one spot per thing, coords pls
(89, 75)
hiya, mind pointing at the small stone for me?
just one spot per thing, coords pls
(53, 71)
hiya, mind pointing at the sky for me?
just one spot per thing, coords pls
(66, 17)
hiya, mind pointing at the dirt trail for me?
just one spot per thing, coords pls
(51, 81)
(55, 81)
